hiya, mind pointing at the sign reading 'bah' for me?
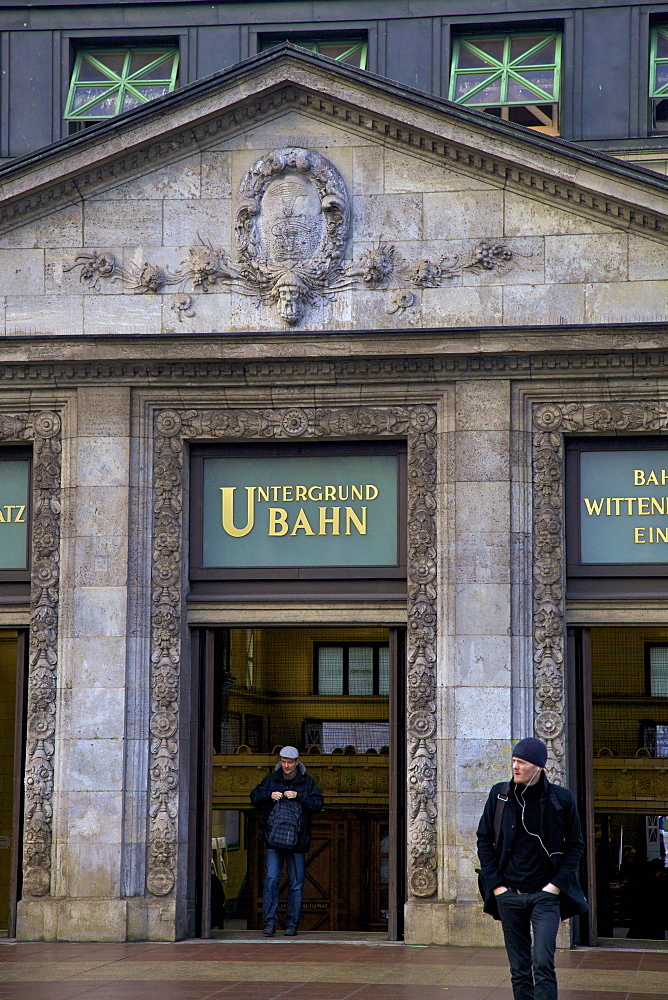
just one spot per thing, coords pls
(282, 510)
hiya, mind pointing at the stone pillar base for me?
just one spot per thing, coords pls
(461, 925)
(135, 919)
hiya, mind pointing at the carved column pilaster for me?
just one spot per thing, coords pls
(44, 429)
(551, 421)
(416, 424)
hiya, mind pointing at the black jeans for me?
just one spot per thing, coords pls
(532, 973)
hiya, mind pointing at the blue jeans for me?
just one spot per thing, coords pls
(531, 972)
(294, 864)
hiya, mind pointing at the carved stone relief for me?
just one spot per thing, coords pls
(171, 428)
(551, 421)
(44, 429)
(292, 229)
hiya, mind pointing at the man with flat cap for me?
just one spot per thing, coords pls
(530, 847)
(290, 796)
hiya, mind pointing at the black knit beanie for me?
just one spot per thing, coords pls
(532, 750)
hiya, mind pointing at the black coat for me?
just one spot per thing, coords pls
(308, 797)
(559, 831)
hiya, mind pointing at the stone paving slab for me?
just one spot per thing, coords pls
(308, 970)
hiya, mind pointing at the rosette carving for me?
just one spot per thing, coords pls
(171, 427)
(551, 421)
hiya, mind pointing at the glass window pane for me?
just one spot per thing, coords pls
(522, 91)
(334, 49)
(330, 670)
(491, 46)
(141, 59)
(360, 670)
(521, 44)
(384, 670)
(659, 671)
(131, 101)
(90, 73)
(661, 45)
(470, 60)
(491, 94)
(112, 60)
(149, 93)
(661, 78)
(101, 109)
(661, 741)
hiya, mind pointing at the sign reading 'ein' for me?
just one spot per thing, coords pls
(300, 511)
(624, 507)
(14, 486)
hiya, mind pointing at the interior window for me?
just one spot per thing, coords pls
(106, 82)
(514, 76)
(350, 669)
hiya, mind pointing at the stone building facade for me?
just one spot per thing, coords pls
(294, 252)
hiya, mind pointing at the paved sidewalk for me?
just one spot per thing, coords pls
(294, 969)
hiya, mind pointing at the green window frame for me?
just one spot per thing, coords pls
(658, 78)
(106, 82)
(520, 70)
(353, 51)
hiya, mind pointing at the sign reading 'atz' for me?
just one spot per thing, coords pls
(14, 484)
(300, 511)
(624, 507)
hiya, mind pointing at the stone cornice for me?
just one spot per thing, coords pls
(338, 371)
(592, 184)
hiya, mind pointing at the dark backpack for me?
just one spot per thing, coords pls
(283, 825)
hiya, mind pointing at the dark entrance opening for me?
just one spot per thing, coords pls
(622, 739)
(337, 695)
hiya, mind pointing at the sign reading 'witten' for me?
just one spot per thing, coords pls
(300, 511)
(624, 507)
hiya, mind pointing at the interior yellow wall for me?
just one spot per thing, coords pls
(282, 689)
(618, 684)
(8, 641)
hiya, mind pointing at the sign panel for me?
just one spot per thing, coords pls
(624, 507)
(14, 487)
(300, 511)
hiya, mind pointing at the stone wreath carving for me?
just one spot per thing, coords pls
(551, 421)
(171, 428)
(292, 227)
(44, 430)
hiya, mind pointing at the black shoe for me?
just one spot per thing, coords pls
(290, 932)
(269, 930)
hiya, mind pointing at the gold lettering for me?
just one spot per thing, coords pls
(607, 505)
(287, 494)
(20, 519)
(356, 493)
(275, 490)
(652, 480)
(2, 520)
(330, 493)
(300, 493)
(302, 523)
(278, 521)
(662, 534)
(643, 505)
(263, 494)
(664, 477)
(371, 492)
(9, 507)
(593, 506)
(629, 504)
(315, 493)
(638, 477)
(342, 495)
(351, 517)
(658, 505)
(333, 520)
(617, 501)
(228, 511)
(639, 536)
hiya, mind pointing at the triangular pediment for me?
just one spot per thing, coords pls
(292, 193)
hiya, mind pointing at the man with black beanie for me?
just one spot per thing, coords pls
(530, 846)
